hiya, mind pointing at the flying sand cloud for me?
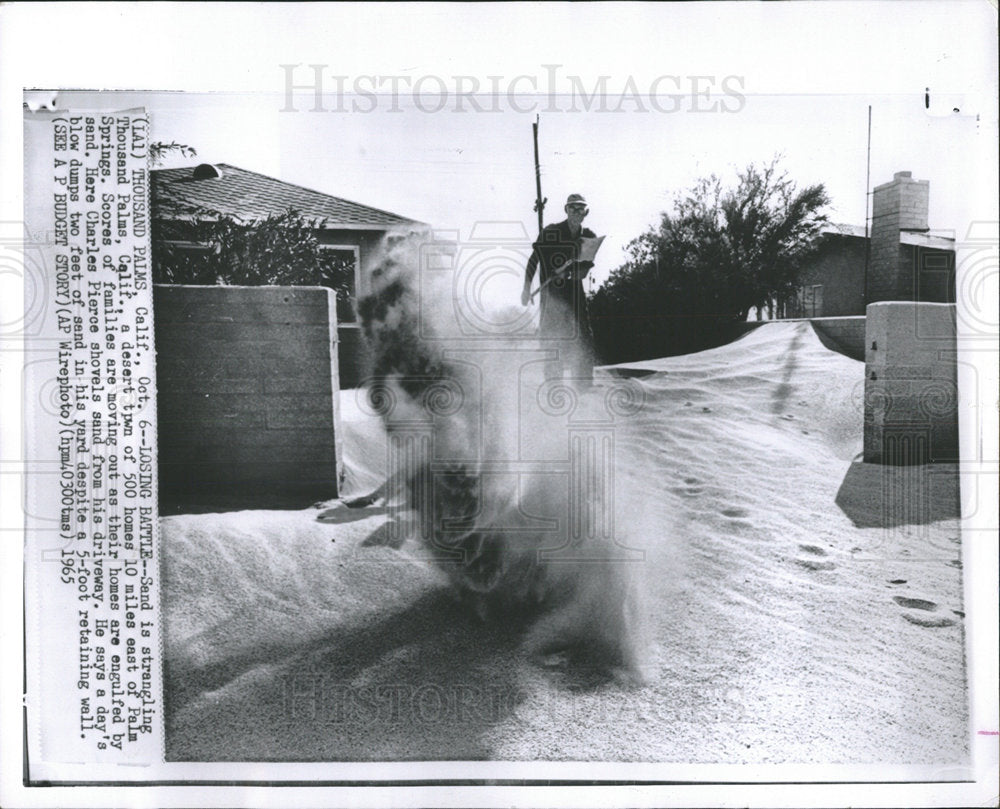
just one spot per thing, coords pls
(504, 480)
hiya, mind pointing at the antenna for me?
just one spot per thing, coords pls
(868, 185)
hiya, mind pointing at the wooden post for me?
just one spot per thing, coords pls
(539, 200)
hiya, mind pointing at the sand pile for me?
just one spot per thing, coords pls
(803, 607)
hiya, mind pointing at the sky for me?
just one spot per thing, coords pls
(475, 170)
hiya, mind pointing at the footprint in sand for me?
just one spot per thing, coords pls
(931, 622)
(788, 417)
(924, 606)
(690, 489)
(814, 564)
(915, 603)
(734, 513)
(687, 491)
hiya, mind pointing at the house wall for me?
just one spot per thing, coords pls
(911, 391)
(839, 267)
(935, 273)
(246, 396)
(897, 271)
(353, 356)
(924, 274)
(351, 348)
(368, 241)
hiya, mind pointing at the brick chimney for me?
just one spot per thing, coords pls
(899, 205)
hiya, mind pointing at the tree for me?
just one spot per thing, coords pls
(209, 247)
(158, 151)
(718, 254)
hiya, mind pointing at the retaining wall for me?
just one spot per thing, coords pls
(246, 396)
(911, 390)
(843, 334)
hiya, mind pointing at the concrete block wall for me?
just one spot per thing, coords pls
(911, 392)
(839, 267)
(247, 379)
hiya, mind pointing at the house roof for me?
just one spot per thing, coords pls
(841, 229)
(247, 195)
(921, 239)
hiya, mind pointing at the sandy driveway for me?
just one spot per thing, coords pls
(803, 607)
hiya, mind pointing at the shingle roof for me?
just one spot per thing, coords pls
(247, 195)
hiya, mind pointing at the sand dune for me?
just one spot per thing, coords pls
(804, 607)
